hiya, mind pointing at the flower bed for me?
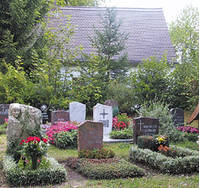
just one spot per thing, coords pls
(105, 168)
(16, 176)
(121, 128)
(59, 127)
(185, 161)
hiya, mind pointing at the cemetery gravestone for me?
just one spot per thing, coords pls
(59, 116)
(90, 135)
(77, 112)
(23, 121)
(145, 126)
(44, 110)
(103, 113)
(177, 116)
(3, 112)
(114, 105)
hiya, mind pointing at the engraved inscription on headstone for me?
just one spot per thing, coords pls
(3, 112)
(177, 116)
(145, 126)
(90, 135)
(103, 113)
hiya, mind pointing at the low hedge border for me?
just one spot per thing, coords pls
(105, 168)
(55, 174)
(187, 164)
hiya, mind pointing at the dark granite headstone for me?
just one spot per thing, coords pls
(59, 116)
(90, 135)
(3, 112)
(44, 110)
(145, 126)
(177, 116)
(114, 105)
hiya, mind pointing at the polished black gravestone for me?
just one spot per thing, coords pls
(3, 112)
(45, 116)
(177, 116)
(145, 126)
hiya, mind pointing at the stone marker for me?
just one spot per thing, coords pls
(44, 110)
(145, 126)
(103, 113)
(59, 116)
(77, 112)
(177, 116)
(3, 112)
(90, 135)
(23, 121)
(114, 105)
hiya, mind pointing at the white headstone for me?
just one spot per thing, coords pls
(103, 113)
(77, 112)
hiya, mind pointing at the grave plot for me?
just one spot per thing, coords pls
(172, 160)
(96, 162)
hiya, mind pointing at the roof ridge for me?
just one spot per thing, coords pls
(103, 8)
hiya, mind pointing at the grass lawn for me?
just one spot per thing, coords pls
(152, 180)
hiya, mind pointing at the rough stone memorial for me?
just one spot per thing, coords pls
(23, 120)
(104, 114)
(3, 112)
(59, 116)
(177, 116)
(145, 126)
(77, 112)
(90, 135)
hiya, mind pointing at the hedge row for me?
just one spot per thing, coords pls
(105, 168)
(15, 176)
(187, 160)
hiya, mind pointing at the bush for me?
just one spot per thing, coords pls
(121, 121)
(66, 139)
(186, 161)
(126, 133)
(193, 137)
(105, 169)
(96, 154)
(146, 142)
(15, 176)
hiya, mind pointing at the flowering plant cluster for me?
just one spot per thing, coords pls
(33, 148)
(121, 122)
(59, 127)
(188, 129)
(161, 140)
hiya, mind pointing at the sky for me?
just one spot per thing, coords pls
(171, 8)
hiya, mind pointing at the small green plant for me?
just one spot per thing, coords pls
(66, 139)
(96, 154)
(126, 133)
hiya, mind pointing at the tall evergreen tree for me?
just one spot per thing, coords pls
(20, 29)
(109, 42)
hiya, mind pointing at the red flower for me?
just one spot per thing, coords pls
(45, 140)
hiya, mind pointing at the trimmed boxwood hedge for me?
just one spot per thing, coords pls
(186, 161)
(105, 168)
(15, 176)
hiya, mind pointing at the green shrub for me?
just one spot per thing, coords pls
(96, 154)
(186, 161)
(105, 169)
(66, 139)
(126, 133)
(15, 176)
(146, 142)
(193, 137)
